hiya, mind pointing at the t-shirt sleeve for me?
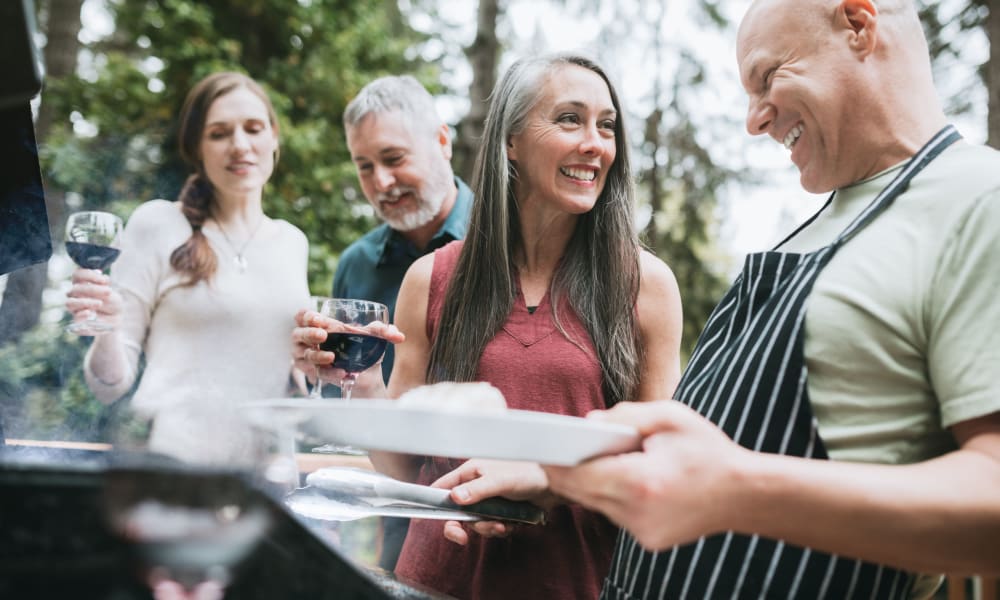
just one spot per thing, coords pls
(964, 343)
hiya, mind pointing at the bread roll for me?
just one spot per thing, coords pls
(451, 396)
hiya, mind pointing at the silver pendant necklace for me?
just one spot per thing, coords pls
(239, 259)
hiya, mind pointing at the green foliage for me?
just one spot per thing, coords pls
(682, 228)
(311, 55)
(682, 181)
(42, 392)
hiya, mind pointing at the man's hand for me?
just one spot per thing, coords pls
(677, 489)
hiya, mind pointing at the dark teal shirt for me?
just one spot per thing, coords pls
(372, 268)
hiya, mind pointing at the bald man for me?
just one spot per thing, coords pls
(837, 430)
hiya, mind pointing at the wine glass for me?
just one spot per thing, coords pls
(355, 348)
(189, 492)
(92, 241)
(187, 529)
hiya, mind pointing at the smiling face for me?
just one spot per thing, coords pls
(801, 76)
(238, 143)
(403, 168)
(567, 144)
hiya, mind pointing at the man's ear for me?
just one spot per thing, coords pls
(861, 17)
(444, 140)
(511, 149)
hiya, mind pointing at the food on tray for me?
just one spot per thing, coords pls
(455, 397)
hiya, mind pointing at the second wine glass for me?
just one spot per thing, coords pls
(355, 348)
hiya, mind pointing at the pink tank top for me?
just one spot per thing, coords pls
(537, 368)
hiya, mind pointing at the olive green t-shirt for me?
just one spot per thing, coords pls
(902, 324)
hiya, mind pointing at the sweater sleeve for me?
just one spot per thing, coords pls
(149, 238)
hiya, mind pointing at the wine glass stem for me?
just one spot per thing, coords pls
(347, 385)
(317, 391)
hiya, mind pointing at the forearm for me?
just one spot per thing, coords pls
(938, 516)
(107, 367)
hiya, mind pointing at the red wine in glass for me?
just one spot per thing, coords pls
(355, 351)
(92, 256)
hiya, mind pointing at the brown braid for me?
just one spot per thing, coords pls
(195, 257)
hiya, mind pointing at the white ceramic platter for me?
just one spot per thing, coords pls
(505, 434)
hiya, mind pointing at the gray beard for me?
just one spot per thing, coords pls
(425, 213)
(429, 206)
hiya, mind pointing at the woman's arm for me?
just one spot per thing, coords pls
(112, 361)
(660, 328)
(105, 364)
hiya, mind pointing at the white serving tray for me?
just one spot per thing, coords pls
(500, 434)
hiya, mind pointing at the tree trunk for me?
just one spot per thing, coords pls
(654, 142)
(993, 73)
(21, 306)
(483, 55)
(62, 31)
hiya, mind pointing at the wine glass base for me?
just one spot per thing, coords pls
(341, 449)
(89, 328)
(166, 589)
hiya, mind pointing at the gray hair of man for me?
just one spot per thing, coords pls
(394, 93)
(599, 272)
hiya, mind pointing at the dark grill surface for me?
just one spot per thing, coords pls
(55, 541)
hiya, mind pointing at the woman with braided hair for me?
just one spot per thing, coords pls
(204, 287)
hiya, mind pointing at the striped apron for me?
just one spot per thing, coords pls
(747, 375)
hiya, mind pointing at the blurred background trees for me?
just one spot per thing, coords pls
(117, 71)
(956, 31)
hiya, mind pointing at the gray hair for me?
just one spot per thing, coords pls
(599, 273)
(393, 93)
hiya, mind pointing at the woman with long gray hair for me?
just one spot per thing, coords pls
(551, 300)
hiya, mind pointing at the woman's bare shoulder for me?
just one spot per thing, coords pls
(655, 274)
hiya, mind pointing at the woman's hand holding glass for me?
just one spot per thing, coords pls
(92, 242)
(343, 342)
(315, 305)
(317, 329)
(91, 299)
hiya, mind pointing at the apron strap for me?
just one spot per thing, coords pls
(941, 140)
(937, 144)
(807, 223)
